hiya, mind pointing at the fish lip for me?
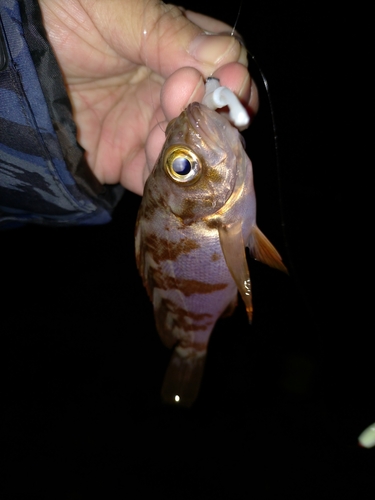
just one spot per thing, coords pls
(198, 119)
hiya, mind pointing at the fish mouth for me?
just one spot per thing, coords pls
(206, 123)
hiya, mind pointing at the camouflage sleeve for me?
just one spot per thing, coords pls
(44, 178)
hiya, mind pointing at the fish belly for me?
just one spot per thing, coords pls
(190, 290)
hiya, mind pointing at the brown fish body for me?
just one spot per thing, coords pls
(196, 217)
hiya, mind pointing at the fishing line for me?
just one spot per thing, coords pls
(253, 69)
(288, 253)
(264, 82)
(237, 19)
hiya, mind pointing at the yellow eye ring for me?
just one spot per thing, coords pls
(182, 165)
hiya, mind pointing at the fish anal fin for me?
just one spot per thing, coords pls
(233, 247)
(262, 249)
(140, 256)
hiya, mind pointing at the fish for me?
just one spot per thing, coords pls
(196, 217)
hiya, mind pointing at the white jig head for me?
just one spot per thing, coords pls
(218, 97)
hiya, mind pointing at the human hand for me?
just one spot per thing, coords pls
(129, 67)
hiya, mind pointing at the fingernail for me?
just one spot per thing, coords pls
(243, 56)
(211, 49)
(244, 90)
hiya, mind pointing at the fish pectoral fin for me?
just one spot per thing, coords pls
(262, 249)
(233, 247)
(140, 254)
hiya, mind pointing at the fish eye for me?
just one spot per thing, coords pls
(182, 165)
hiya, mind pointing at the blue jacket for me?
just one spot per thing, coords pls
(44, 178)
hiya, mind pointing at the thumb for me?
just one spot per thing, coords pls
(174, 42)
(164, 39)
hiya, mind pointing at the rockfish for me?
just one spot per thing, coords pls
(196, 217)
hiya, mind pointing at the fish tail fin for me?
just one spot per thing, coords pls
(183, 377)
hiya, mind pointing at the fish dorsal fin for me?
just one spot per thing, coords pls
(262, 249)
(233, 247)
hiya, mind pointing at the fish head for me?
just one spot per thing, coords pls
(201, 163)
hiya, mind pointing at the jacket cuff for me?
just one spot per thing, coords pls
(44, 177)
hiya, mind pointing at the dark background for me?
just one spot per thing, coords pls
(283, 401)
